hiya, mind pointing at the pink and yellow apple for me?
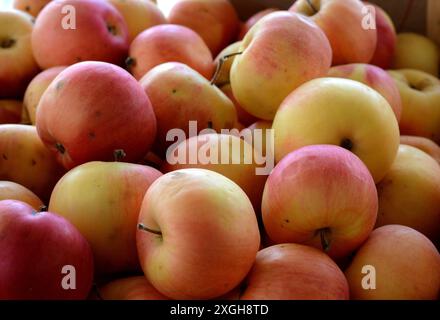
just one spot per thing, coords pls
(198, 234)
(243, 117)
(33, 7)
(253, 20)
(131, 288)
(424, 144)
(13, 191)
(10, 111)
(406, 266)
(280, 52)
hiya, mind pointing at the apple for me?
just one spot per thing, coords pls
(280, 52)
(198, 234)
(25, 160)
(228, 55)
(414, 51)
(13, 191)
(39, 252)
(103, 201)
(420, 94)
(424, 144)
(262, 127)
(169, 43)
(294, 272)
(342, 22)
(94, 30)
(92, 110)
(375, 78)
(243, 117)
(341, 112)
(216, 21)
(33, 7)
(328, 201)
(139, 15)
(253, 20)
(383, 56)
(131, 288)
(179, 95)
(406, 266)
(237, 163)
(409, 194)
(36, 89)
(10, 111)
(18, 65)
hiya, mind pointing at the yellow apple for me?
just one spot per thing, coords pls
(424, 144)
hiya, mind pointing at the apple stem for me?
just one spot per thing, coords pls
(119, 154)
(325, 239)
(220, 65)
(144, 228)
(309, 2)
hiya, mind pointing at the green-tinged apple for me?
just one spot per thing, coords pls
(224, 61)
(374, 77)
(216, 21)
(243, 117)
(10, 111)
(36, 89)
(42, 255)
(18, 65)
(131, 288)
(70, 31)
(346, 25)
(228, 155)
(294, 272)
(197, 236)
(409, 194)
(420, 94)
(33, 7)
(395, 263)
(25, 160)
(280, 52)
(169, 43)
(414, 51)
(103, 200)
(328, 201)
(253, 20)
(172, 88)
(341, 112)
(424, 144)
(93, 110)
(13, 191)
(139, 15)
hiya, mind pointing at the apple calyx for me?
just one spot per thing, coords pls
(347, 144)
(309, 2)
(7, 43)
(112, 29)
(43, 208)
(324, 234)
(119, 154)
(60, 148)
(144, 228)
(130, 62)
(220, 64)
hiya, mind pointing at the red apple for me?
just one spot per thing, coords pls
(294, 272)
(131, 288)
(93, 109)
(99, 33)
(42, 255)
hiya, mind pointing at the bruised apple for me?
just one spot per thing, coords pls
(131, 288)
(13, 191)
(92, 111)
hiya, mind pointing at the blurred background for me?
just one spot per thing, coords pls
(5, 3)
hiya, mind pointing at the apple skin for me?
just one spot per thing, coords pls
(36, 88)
(10, 111)
(418, 52)
(328, 187)
(216, 21)
(202, 216)
(407, 266)
(131, 288)
(92, 109)
(280, 52)
(13, 191)
(18, 65)
(253, 20)
(294, 272)
(172, 87)
(32, 7)
(139, 15)
(424, 144)
(102, 200)
(25, 160)
(386, 39)
(341, 112)
(241, 173)
(349, 41)
(100, 35)
(420, 93)
(34, 249)
(263, 126)
(409, 194)
(169, 43)
(223, 76)
(374, 77)
(243, 117)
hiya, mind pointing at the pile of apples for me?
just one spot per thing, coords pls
(91, 208)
